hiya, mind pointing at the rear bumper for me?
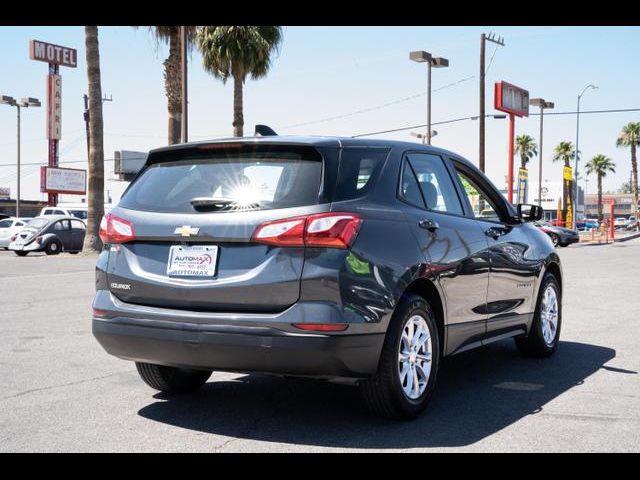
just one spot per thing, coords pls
(237, 343)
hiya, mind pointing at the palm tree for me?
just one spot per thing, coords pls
(630, 137)
(564, 152)
(173, 74)
(95, 193)
(600, 165)
(525, 147)
(237, 52)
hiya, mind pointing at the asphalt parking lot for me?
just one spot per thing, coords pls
(59, 391)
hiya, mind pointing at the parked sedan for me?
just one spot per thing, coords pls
(50, 234)
(558, 235)
(8, 228)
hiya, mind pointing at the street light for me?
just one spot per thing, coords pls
(23, 103)
(421, 56)
(424, 135)
(540, 102)
(575, 192)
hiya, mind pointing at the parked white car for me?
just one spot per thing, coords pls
(620, 222)
(78, 212)
(8, 228)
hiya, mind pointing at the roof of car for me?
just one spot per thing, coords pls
(320, 141)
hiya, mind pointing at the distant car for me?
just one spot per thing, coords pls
(8, 228)
(78, 212)
(49, 234)
(632, 222)
(559, 236)
(620, 222)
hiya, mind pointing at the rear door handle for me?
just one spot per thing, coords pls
(428, 224)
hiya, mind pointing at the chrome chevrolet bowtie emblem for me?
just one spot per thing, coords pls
(186, 231)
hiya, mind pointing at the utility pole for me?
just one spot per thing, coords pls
(86, 115)
(481, 117)
(183, 123)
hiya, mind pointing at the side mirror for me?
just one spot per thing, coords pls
(529, 213)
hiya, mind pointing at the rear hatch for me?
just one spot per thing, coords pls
(192, 213)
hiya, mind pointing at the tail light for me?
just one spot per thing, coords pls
(332, 230)
(13, 238)
(116, 230)
(38, 240)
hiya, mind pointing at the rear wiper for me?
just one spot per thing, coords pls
(211, 203)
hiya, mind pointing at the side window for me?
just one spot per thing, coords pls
(483, 208)
(76, 225)
(359, 168)
(61, 225)
(58, 212)
(435, 184)
(409, 188)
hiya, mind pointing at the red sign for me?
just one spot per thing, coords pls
(55, 54)
(511, 99)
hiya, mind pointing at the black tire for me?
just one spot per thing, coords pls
(54, 247)
(535, 345)
(172, 379)
(554, 239)
(383, 393)
(20, 253)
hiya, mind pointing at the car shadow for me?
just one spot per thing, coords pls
(478, 393)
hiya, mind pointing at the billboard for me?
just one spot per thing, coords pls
(511, 99)
(5, 193)
(55, 54)
(63, 180)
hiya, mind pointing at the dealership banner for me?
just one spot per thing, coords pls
(523, 185)
(63, 180)
(567, 190)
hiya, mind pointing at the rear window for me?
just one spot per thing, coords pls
(359, 168)
(37, 223)
(243, 180)
(82, 214)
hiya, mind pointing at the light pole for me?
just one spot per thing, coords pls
(575, 191)
(25, 102)
(421, 56)
(540, 102)
(184, 133)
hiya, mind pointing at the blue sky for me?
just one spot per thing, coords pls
(330, 71)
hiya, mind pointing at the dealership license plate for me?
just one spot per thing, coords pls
(194, 261)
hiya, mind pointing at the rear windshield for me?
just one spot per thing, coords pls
(82, 214)
(217, 181)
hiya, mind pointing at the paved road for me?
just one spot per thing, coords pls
(60, 392)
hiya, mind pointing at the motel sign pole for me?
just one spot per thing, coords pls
(54, 55)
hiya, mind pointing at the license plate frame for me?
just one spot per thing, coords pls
(192, 261)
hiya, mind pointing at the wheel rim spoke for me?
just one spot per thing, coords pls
(414, 357)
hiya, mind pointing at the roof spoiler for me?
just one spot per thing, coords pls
(264, 131)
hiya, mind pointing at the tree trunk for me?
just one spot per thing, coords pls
(95, 192)
(238, 118)
(599, 198)
(634, 173)
(523, 162)
(173, 87)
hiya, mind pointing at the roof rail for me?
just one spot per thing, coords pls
(264, 131)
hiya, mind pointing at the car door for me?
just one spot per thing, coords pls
(453, 243)
(62, 230)
(77, 234)
(514, 268)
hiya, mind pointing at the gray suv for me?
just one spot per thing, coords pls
(331, 258)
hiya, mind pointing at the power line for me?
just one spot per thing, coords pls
(619, 110)
(376, 107)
